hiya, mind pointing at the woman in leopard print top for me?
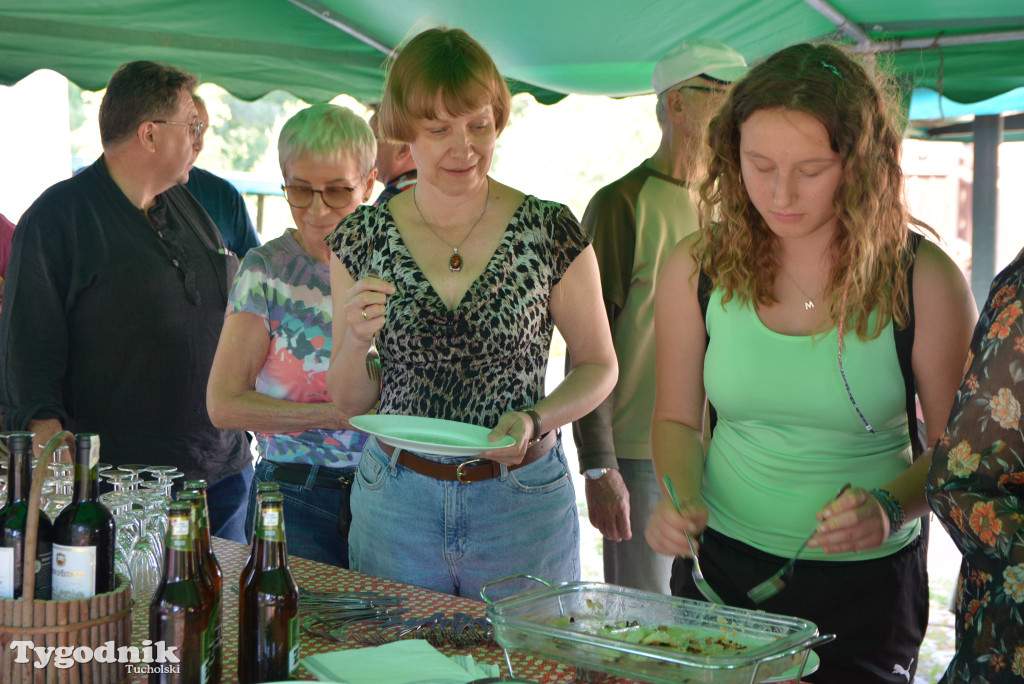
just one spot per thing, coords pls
(462, 280)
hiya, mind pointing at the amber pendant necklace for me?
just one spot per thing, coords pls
(455, 260)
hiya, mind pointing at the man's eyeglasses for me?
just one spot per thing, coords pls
(197, 126)
(301, 196)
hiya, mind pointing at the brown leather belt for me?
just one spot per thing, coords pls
(473, 470)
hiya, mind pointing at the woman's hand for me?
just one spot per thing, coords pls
(519, 426)
(853, 521)
(366, 304)
(667, 528)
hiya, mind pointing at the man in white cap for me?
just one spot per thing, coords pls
(635, 222)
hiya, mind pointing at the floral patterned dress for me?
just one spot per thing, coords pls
(976, 486)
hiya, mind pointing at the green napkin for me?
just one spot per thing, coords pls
(409, 661)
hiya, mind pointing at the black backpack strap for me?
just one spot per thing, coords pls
(704, 288)
(904, 339)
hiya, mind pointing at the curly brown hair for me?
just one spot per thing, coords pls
(869, 254)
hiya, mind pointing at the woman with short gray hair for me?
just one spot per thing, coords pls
(269, 374)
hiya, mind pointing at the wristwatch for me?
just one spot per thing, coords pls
(595, 473)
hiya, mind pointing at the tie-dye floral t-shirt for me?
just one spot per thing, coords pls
(291, 292)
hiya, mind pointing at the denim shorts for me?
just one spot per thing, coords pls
(310, 515)
(453, 537)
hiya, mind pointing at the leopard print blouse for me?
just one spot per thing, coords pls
(488, 355)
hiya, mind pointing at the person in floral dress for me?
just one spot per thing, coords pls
(976, 487)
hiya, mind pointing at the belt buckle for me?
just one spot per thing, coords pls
(470, 462)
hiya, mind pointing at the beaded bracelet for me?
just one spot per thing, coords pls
(892, 507)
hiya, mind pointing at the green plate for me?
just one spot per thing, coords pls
(429, 435)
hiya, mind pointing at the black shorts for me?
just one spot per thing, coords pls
(878, 609)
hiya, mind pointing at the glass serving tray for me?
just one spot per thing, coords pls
(536, 622)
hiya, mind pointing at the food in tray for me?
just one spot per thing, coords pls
(689, 641)
(685, 640)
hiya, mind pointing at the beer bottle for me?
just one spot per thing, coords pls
(268, 603)
(261, 489)
(14, 520)
(210, 573)
(179, 613)
(83, 534)
(208, 560)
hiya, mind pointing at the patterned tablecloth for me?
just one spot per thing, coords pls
(320, 577)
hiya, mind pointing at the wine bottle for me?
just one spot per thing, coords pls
(268, 603)
(179, 612)
(13, 523)
(83, 534)
(209, 571)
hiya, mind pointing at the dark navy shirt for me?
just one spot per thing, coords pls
(226, 207)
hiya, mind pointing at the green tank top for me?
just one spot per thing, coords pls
(787, 437)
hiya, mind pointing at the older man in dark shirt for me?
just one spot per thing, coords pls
(115, 298)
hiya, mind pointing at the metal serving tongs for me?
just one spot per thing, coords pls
(698, 577)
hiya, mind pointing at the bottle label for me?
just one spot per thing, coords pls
(74, 572)
(6, 572)
(94, 451)
(44, 573)
(293, 646)
(204, 653)
(272, 528)
(179, 539)
(213, 651)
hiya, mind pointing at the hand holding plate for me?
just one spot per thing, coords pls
(514, 424)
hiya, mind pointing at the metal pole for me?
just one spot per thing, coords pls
(988, 133)
(260, 201)
(866, 45)
(338, 21)
(907, 44)
(841, 21)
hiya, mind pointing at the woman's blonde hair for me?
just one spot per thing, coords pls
(327, 133)
(440, 71)
(869, 254)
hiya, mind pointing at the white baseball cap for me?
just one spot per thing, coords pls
(696, 56)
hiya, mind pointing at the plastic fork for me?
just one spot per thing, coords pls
(698, 577)
(372, 355)
(777, 582)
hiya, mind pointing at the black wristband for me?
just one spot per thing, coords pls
(538, 425)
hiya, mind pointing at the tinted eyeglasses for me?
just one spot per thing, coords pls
(197, 126)
(301, 196)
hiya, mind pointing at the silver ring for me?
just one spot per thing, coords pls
(364, 315)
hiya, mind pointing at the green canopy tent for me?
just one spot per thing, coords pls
(317, 49)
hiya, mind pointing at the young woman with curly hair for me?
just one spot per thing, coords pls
(788, 314)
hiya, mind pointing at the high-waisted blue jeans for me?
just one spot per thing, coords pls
(453, 537)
